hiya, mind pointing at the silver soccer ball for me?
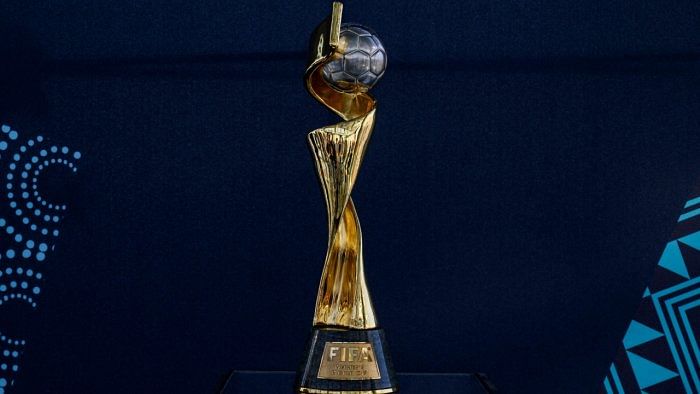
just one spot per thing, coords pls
(360, 61)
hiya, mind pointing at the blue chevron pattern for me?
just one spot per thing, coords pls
(660, 351)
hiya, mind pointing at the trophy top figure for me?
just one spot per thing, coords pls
(345, 62)
(359, 62)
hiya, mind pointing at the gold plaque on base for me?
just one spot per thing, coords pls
(348, 361)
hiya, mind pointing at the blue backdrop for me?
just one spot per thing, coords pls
(527, 167)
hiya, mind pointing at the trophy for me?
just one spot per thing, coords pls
(347, 351)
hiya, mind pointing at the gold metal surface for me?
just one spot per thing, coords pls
(348, 361)
(317, 391)
(343, 299)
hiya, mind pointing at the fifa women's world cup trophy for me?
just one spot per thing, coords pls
(347, 351)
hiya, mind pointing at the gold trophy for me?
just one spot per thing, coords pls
(346, 352)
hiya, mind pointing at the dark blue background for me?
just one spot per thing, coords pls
(528, 164)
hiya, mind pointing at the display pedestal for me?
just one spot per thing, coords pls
(263, 382)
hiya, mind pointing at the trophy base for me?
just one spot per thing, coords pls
(267, 382)
(342, 361)
(317, 391)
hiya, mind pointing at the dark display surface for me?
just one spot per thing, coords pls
(526, 169)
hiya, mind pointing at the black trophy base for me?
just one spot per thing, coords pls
(266, 382)
(346, 361)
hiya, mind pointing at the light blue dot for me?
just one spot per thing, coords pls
(10, 229)
(40, 257)
(30, 272)
(18, 238)
(3, 145)
(64, 150)
(55, 233)
(8, 270)
(34, 159)
(44, 231)
(10, 253)
(5, 128)
(30, 244)
(39, 138)
(16, 157)
(13, 284)
(43, 152)
(14, 368)
(24, 285)
(36, 290)
(20, 270)
(30, 142)
(38, 275)
(54, 149)
(13, 135)
(43, 247)
(76, 155)
(3, 367)
(26, 253)
(3, 382)
(6, 353)
(3, 288)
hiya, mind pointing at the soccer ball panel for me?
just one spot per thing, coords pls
(356, 63)
(378, 62)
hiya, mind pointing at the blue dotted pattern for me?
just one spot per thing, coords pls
(29, 232)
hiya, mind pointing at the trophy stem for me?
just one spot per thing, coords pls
(343, 298)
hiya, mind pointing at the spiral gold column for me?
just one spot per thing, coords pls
(343, 299)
